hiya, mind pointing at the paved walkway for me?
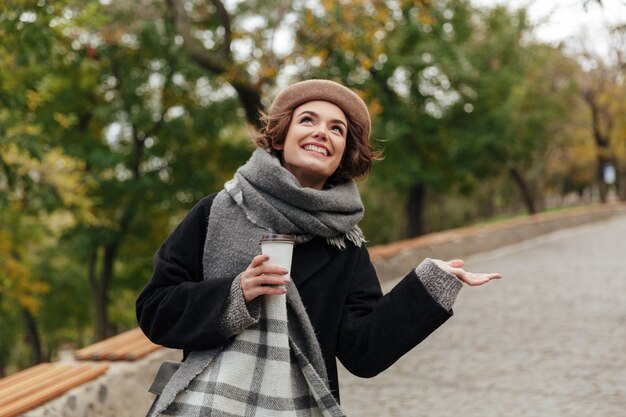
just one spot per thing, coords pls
(548, 340)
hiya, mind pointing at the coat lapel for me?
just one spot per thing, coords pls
(308, 258)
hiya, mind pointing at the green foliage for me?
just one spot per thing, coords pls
(460, 96)
(109, 134)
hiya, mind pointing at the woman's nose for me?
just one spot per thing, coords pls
(321, 132)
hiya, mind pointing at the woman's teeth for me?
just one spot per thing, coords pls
(317, 149)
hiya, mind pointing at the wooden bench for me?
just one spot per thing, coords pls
(127, 346)
(35, 386)
(39, 384)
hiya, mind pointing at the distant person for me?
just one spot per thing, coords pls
(206, 294)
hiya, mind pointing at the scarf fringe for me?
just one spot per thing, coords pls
(355, 236)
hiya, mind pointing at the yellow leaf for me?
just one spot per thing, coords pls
(62, 120)
(375, 108)
(33, 99)
(329, 4)
(29, 303)
(16, 271)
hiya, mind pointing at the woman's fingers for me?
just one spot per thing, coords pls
(473, 279)
(262, 290)
(261, 280)
(449, 265)
(251, 289)
(456, 263)
(261, 266)
(470, 278)
(258, 261)
(262, 277)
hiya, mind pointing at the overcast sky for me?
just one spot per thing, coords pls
(567, 20)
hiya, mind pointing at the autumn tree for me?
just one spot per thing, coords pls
(390, 59)
(523, 91)
(38, 186)
(145, 126)
(149, 126)
(602, 89)
(457, 93)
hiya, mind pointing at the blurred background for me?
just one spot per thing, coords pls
(116, 117)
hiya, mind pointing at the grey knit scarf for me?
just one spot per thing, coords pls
(271, 198)
(264, 197)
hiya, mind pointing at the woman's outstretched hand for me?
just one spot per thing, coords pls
(470, 278)
(262, 277)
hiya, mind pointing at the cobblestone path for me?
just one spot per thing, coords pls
(548, 340)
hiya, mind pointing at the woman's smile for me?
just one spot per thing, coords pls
(316, 149)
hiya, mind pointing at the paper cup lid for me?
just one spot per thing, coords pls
(273, 237)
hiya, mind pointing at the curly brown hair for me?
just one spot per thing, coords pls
(357, 158)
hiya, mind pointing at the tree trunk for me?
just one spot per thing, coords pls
(250, 99)
(524, 189)
(101, 283)
(488, 207)
(100, 290)
(602, 186)
(32, 336)
(30, 325)
(415, 210)
(621, 184)
(94, 282)
(602, 125)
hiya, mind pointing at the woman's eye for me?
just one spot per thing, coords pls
(338, 129)
(306, 120)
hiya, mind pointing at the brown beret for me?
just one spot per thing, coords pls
(325, 90)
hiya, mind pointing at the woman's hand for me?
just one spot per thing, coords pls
(470, 278)
(262, 277)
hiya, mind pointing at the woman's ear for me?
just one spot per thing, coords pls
(278, 146)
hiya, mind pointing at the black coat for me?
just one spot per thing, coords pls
(353, 321)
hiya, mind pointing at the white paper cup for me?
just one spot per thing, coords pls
(279, 248)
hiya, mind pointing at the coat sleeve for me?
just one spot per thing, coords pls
(376, 330)
(177, 308)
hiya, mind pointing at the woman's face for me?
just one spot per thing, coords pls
(315, 142)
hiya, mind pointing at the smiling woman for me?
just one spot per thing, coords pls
(213, 294)
(357, 157)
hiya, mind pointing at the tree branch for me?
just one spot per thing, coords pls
(206, 59)
(238, 78)
(224, 19)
